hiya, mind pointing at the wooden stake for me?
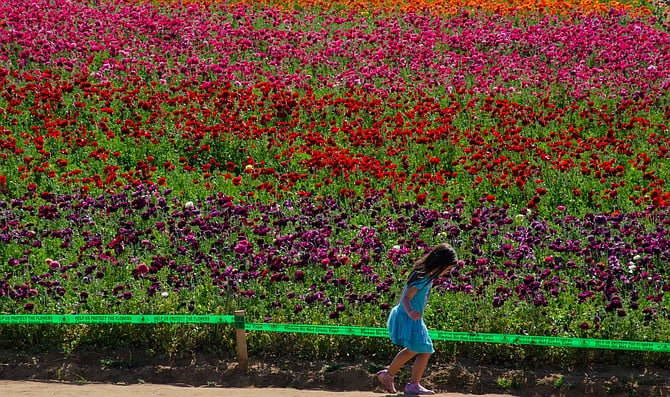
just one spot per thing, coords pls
(241, 336)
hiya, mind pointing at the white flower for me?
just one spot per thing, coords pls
(519, 218)
(189, 205)
(164, 294)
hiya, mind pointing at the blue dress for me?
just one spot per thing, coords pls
(412, 334)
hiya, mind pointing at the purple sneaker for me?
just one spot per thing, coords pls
(386, 380)
(415, 388)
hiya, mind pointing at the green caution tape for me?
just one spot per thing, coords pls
(115, 319)
(660, 347)
(369, 332)
(318, 329)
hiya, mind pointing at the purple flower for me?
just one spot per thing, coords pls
(243, 247)
(614, 304)
(541, 301)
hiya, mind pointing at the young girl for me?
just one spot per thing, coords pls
(405, 322)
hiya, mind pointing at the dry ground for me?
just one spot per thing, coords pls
(133, 373)
(44, 389)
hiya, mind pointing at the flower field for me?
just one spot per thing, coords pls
(291, 159)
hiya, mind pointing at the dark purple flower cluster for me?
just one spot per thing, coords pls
(326, 254)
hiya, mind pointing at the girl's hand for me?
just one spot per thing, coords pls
(415, 315)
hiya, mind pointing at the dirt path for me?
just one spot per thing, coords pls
(48, 389)
(136, 374)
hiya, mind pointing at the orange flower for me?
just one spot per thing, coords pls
(505, 7)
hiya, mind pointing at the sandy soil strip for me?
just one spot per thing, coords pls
(56, 389)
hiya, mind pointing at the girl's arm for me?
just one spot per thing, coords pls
(406, 302)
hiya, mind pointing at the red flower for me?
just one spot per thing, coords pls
(140, 270)
(237, 181)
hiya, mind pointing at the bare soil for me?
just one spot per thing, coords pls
(204, 375)
(42, 389)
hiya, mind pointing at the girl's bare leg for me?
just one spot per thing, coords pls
(401, 359)
(420, 365)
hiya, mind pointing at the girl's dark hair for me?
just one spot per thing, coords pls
(434, 262)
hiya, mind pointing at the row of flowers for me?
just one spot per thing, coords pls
(110, 252)
(615, 53)
(266, 139)
(455, 6)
